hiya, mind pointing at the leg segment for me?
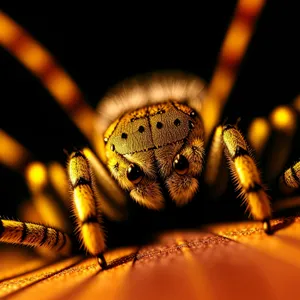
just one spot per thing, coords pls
(113, 199)
(291, 177)
(232, 52)
(85, 206)
(215, 177)
(247, 175)
(53, 77)
(34, 235)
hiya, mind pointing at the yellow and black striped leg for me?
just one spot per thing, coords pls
(291, 177)
(85, 206)
(34, 235)
(247, 176)
(289, 184)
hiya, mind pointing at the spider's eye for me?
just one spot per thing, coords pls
(180, 164)
(134, 173)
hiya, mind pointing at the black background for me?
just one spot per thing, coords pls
(101, 45)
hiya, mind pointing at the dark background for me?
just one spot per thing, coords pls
(102, 45)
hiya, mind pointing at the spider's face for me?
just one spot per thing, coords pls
(157, 146)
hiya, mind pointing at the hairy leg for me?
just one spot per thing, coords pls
(85, 206)
(291, 177)
(34, 235)
(246, 175)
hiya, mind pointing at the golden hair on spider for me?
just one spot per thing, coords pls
(246, 175)
(148, 135)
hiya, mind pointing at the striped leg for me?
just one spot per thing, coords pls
(34, 235)
(85, 206)
(54, 78)
(289, 183)
(291, 177)
(247, 176)
(231, 55)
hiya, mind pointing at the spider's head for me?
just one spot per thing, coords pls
(155, 147)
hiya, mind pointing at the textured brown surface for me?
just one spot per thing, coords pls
(227, 261)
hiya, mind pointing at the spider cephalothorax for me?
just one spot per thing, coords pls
(158, 143)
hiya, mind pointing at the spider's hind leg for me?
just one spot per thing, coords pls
(247, 176)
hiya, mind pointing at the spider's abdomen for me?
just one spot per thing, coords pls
(150, 128)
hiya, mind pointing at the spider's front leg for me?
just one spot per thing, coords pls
(247, 176)
(85, 206)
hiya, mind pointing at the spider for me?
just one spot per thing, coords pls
(149, 141)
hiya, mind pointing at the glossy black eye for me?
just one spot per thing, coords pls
(180, 164)
(134, 173)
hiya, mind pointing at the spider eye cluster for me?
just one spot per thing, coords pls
(180, 164)
(134, 173)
